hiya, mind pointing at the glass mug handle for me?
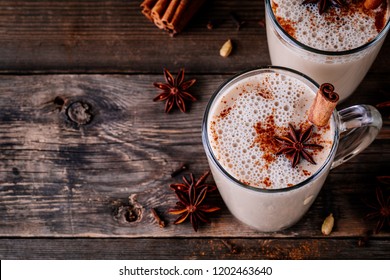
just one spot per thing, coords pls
(358, 125)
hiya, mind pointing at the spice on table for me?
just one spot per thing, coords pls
(182, 168)
(210, 25)
(384, 107)
(261, 23)
(170, 15)
(324, 4)
(294, 145)
(372, 4)
(199, 184)
(157, 218)
(327, 225)
(384, 179)
(191, 205)
(363, 241)
(383, 104)
(237, 21)
(381, 210)
(226, 48)
(324, 103)
(231, 247)
(174, 91)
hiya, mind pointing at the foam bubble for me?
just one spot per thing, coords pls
(337, 29)
(235, 136)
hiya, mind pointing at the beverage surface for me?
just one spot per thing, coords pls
(246, 118)
(337, 29)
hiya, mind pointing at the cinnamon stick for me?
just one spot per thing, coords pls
(158, 219)
(171, 15)
(170, 12)
(372, 4)
(184, 14)
(158, 12)
(324, 103)
(159, 8)
(179, 13)
(147, 6)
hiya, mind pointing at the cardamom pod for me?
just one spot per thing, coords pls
(327, 225)
(226, 49)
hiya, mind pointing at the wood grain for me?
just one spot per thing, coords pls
(68, 36)
(98, 36)
(65, 188)
(60, 179)
(195, 249)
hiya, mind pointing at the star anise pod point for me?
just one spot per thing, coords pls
(199, 184)
(174, 91)
(295, 145)
(381, 210)
(192, 195)
(324, 4)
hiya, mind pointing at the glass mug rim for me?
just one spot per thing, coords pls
(287, 37)
(250, 73)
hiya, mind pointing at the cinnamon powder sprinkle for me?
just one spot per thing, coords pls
(225, 112)
(265, 133)
(265, 94)
(287, 25)
(213, 132)
(336, 17)
(380, 17)
(267, 182)
(268, 158)
(245, 182)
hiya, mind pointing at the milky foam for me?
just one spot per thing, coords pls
(338, 29)
(247, 117)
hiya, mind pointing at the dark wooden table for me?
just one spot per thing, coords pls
(65, 188)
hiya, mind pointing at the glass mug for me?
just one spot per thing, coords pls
(276, 209)
(344, 69)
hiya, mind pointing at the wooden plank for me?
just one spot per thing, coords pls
(58, 179)
(68, 36)
(194, 249)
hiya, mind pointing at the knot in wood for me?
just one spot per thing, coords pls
(130, 212)
(59, 101)
(79, 113)
(15, 171)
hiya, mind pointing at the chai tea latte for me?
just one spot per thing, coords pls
(337, 46)
(246, 118)
(260, 188)
(336, 29)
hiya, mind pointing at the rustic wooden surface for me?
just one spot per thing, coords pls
(65, 188)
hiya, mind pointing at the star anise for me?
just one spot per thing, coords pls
(199, 184)
(381, 208)
(384, 108)
(294, 144)
(192, 202)
(174, 91)
(324, 4)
